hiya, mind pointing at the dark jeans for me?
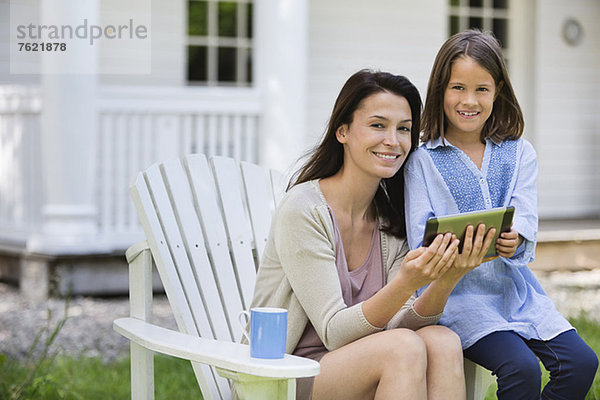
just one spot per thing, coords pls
(512, 359)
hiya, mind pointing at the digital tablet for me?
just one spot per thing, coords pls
(499, 218)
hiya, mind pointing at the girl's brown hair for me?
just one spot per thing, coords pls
(506, 120)
(327, 157)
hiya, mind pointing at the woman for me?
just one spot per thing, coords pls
(337, 258)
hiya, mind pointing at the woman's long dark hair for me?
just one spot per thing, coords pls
(327, 158)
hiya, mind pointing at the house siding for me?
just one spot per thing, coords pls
(168, 59)
(401, 37)
(558, 84)
(567, 119)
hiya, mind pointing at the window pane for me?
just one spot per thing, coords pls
(476, 22)
(227, 64)
(454, 3)
(249, 68)
(197, 22)
(250, 19)
(245, 60)
(227, 19)
(475, 3)
(501, 4)
(499, 28)
(454, 25)
(197, 63)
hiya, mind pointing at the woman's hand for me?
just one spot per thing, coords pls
(508, 242)
(475, 246)
(425, 264)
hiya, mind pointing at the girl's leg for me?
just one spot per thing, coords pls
(572, 365)
(516, 367)
(445, 372)
(385, 365)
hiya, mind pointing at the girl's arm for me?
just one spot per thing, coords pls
(417, 205)
(524, 199)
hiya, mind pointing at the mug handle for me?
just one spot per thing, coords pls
(245, 315)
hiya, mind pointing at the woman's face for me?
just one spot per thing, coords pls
(468, 98)
(378, 139)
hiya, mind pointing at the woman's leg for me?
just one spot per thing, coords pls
(516, 367)
(572, 365)
(445, 371)
(385, 365)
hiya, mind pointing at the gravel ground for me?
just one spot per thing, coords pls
(88, 328)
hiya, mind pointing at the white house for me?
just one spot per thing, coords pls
(254, 79)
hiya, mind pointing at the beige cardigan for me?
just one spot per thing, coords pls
(298, 272)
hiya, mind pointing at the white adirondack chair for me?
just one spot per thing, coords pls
(206, 225)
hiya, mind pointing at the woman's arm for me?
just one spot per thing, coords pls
(419, 267)
(433, 299)
(304, 244)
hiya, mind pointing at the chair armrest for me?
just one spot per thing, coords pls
(134, 250)
(221, 354)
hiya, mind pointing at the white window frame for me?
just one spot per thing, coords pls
(212, 41)
(486, 12)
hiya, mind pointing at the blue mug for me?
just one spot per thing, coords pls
(268, 331)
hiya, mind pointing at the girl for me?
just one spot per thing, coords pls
(473, 158)
(336, 258)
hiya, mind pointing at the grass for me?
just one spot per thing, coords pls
(70, 378)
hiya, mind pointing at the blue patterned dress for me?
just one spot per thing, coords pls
(502, 294)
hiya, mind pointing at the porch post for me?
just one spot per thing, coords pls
(281, 37)
(68, 136)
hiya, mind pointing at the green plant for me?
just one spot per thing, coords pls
(30, 378)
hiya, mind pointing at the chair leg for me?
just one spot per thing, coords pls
(142, 373)
(250, 387)
(140, 303)
(478, 380)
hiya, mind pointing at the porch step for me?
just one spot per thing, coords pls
(40, 276)
(568, 245)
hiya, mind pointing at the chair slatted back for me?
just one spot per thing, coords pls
(237, 223)
(206, 225)
(259, 196)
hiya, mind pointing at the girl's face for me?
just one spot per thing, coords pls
(378, 139)
(468, 98)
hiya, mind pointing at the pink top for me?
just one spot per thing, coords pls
(357, 285)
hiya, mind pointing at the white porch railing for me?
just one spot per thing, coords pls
(136, 127)
(20, 175)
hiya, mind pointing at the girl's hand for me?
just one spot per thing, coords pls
(425, 264)
(508, 242)
(473, 251)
